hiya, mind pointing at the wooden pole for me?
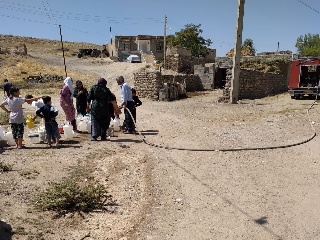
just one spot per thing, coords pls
(165, 42)
(64, 59)
(234, 94)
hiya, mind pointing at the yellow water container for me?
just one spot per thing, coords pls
(30, 122)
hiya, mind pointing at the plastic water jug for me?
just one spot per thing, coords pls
(68, 131)
(10, 139)
(111, 123)
(110, 131)
(79, 118)
(82, 125)
(42, 135)
(116, 124)
(2, 134)
(89, 126)
(34, 137)
(42, 128)
(87, 117)
(30, 122)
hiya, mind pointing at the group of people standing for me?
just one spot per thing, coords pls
(100, 102)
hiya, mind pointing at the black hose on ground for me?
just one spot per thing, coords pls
(314, 134)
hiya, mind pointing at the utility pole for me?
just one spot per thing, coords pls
(64, 59)
(165, 42)
(234, 94)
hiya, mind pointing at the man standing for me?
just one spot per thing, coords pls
(127, 104)
(6, 88)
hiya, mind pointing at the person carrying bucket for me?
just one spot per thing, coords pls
(98, 103)
(36, 105)
(127, 104)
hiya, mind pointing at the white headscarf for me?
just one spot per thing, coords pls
(68, 81)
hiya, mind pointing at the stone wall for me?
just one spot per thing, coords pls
(255, 84)
(181, 61)
(192, 82)
(148, 84)
(206, 75)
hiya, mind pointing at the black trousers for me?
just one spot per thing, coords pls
(127, 117)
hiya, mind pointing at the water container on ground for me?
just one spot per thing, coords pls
(10, 139)
(116, 124)
(82, 125)
(34, 137)
(89, 126)
(68, 131)
(42, 134)
(2, 134)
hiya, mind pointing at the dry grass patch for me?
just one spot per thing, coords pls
(5, 167)
(73, 195)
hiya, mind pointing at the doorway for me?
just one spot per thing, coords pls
(220, 77)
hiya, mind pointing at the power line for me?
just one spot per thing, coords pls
(72, 16)
(308, 6)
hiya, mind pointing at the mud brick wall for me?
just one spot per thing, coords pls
(182, 64)
(148, 84)
(256, 84)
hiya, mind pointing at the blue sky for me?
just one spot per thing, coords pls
(266, 22)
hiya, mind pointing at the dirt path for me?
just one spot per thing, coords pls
(172, 194)
(270, 194)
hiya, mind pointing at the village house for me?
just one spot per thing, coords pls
(149, 48)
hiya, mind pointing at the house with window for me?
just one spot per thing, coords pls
(149, 48)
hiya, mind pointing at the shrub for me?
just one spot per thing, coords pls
(274, 64)
(71, 195)
(5, 167)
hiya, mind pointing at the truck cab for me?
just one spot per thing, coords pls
(304, 78)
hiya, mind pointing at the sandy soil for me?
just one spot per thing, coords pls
(179, 194)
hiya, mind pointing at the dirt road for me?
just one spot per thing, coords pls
(182, 194)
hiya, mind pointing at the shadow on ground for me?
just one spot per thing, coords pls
(5, 231)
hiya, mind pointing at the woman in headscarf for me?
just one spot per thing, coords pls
(66, 102)
(100, 97)
(81, 95)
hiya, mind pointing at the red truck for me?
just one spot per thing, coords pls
(304, 77)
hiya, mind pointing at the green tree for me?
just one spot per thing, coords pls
(249, 43)
(308, 45)
(190, 37)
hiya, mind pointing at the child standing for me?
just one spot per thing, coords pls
(137, 103)
(35, 104)
(16, 118)
(49, 113)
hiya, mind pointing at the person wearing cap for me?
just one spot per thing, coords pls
(127, 103)
(98, 101)
(81, 95)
